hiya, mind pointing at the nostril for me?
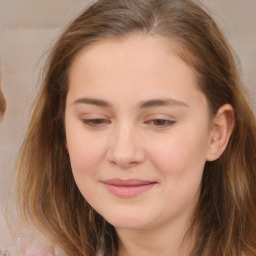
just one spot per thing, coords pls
(125, 160)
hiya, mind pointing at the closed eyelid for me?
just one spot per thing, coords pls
(93, 116)
(162, 116)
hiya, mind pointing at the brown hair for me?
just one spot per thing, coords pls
(2, 101)
(47, 193)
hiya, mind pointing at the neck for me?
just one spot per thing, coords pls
(167, 240)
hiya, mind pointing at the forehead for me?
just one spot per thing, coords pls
(138, 63)
(135, 49)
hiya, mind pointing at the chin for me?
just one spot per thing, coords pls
(130, 222)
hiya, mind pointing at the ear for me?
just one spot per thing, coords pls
(222, 126)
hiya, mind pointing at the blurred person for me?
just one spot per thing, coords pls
(2, 101)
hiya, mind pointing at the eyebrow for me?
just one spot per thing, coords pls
(145, 104)
(91, 101)
(162, 103)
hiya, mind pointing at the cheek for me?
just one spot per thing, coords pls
(179, 156)
(85, 152)
(180, 162)
(86, 157)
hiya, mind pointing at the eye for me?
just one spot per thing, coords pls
(96, 122)
(160, 123)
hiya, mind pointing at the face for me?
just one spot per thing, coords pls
(137, 132)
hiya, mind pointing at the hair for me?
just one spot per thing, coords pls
(2, 102)
(47, 193)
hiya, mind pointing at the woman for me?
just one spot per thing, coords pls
(142, 139)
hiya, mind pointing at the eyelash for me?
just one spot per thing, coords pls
(161, 123)
(95, 123)
(100, 122)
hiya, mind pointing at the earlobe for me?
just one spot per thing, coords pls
(221, 129)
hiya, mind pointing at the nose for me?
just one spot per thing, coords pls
(125, 148)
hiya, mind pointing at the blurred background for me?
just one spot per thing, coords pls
(29, 28)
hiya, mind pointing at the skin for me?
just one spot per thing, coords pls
(134, 111)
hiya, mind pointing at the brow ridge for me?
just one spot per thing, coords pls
(162, 102)
(92, 101)
(142, 105)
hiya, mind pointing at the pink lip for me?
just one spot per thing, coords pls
(128, 188)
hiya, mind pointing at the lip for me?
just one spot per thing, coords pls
(128, 188)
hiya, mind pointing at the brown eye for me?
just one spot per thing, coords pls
(161, 123)
(98, 122)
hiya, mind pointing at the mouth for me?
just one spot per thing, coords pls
(128, 188)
